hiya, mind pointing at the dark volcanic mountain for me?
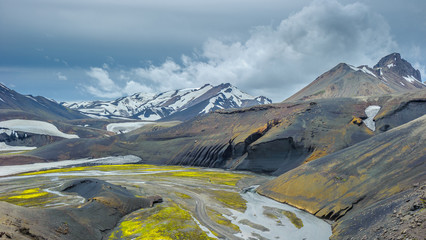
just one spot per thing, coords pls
(15, 105)
(180, 104)
(391, 75)
(370, 187)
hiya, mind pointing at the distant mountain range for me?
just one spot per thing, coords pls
(15, 105)
(172, 105)
(391, 74)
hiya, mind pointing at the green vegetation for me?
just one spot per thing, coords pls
(214, 177)
(230, 199)
(161, 222)
(254, 225)
(275, 213)
(221, 220)
(33, 197)
(183, 195)
(126, 167)
(297, 222)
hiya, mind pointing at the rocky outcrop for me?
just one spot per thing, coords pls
(400, 66)
(106, 204)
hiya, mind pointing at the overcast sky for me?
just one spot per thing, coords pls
(103, 49)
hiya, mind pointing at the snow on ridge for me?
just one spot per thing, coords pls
(36, 127)
(366, 70)
(353, 67)
(156, 106)
(371, 112)
(410, 79)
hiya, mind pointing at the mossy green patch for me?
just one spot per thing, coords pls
(34, 197)
(160, 222)
(221, 220)
(125, 167)
(231, 200)
(214, 177)
(297, 222)
(183, 195)
(275, 213)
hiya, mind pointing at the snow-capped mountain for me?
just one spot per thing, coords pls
(391, 74)
(179, 104)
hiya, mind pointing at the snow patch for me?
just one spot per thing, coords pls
(391, 65)
(371, 112)
(411, 79)
(353, 67)
(6, 148)
(16, 169)
(36, 127)
(366, 70)
(402, 83)
(125, 127)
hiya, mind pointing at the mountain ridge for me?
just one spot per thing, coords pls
(16, 105)
(194, 101)
(391, 74)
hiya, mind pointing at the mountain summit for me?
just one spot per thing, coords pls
(179, 104)
(391, 74)
(16, 105)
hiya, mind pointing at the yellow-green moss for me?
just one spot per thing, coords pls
(30, 198)
(223, 178)
(221, 220)
(167, 223)
(133, 167)
(183, 195)
(230, 199)
(297, 222)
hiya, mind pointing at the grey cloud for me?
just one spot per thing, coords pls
(277, 61)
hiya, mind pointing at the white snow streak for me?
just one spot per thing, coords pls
(371, 112)
(6, 148)
(125, 126)
(411, 79)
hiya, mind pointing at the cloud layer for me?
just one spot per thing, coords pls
(274, 61)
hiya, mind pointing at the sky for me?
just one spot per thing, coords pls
(73, 50)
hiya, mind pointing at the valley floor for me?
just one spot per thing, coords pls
(198, 203)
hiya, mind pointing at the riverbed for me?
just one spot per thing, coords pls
(199, 203)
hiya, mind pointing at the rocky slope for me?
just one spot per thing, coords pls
(391, 74)
(105, 205)
(268, 138)
(180, 104)
(368, 187)
(15, 105)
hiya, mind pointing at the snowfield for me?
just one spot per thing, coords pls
(16, 169)
(125, 127)
(6, 148)
(36, 127)
(371, 112)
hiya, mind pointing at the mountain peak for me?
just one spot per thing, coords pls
(392, 74)
(398, 65)
(182, 104)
